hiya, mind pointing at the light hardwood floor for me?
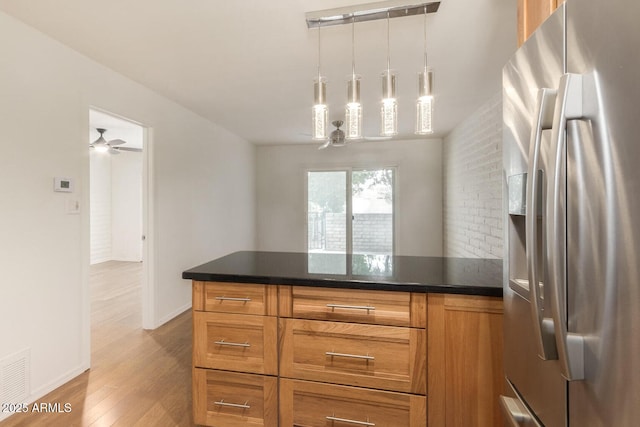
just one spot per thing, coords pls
(137, 377)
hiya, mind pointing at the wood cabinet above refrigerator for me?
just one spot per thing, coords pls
(532, 13)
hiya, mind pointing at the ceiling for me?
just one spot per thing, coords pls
(248, 65)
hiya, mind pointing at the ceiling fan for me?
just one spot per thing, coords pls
(337, 138)
(102, 145)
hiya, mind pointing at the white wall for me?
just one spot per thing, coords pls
(100, 207)
(472, 158)
(116, 206)
(281, 196)
(203, 188)
(126, 206)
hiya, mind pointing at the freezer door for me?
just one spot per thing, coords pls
(603, 189)
(537, 65)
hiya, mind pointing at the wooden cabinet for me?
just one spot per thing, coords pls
(269, 355)
(352, 357)
(532, 13)
(235, 355)
(464, 354)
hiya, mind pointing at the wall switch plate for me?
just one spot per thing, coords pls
(64, 185)
(73, 206)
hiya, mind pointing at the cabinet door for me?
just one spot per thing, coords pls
(311, 404)
(235, 342)
(382, 357)
(229, 399)
(465, 370)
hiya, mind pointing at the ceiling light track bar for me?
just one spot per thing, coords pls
(367, 12)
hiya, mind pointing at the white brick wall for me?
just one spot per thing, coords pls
(472, 160)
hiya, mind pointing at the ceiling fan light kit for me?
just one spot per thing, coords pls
(336, 138)
(100, 144)
(389, 105)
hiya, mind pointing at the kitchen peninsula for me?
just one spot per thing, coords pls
(288, 339)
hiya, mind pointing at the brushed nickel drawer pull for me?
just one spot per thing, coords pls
(345, 420)
(352, 307)
(223, 298)
(353, 356)
(232, 344)
(221, 402)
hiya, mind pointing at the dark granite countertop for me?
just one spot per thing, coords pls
(471, 276)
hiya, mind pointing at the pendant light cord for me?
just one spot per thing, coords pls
(388, 46)
(425, 38)
(319, 53)
(353, 47)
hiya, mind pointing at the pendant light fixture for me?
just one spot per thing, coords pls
(353, 113)
(424, 105)
(389, 106)
(320, 111)
(389, 103)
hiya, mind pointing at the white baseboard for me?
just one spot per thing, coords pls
(48, 388)
(173, 314)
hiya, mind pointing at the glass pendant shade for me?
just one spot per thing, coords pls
(389, 105)
(424, 105)
(353, 113)
(320, 111)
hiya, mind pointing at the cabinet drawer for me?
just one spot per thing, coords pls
(359, 306)
(235, 342)
(230, 399)
(310, 404)
(382, 357)
(237, 298)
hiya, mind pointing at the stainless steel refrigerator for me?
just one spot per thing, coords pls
(572, 180)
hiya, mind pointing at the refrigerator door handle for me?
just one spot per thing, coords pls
(515, 413)
(543, 328)
(570, 345)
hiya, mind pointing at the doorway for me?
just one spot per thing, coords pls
(116, 163)
(119, 220)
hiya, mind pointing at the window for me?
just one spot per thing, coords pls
(350, 211)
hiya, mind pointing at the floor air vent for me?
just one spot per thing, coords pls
(14, 377)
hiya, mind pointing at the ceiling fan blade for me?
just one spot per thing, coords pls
(325, 145)
(376, 138)
(339, 143)
(113, 151)
(137, 150)
(116, 142)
